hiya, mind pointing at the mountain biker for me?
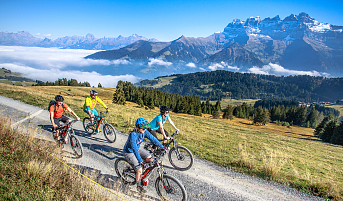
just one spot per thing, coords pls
(157, 124)
(133, 153)
(56, 114)
(89, 106)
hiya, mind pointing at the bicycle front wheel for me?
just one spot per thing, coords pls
(170, 188)
(89, 128)
(180, 158)
(110, 133)
(125, 171)
(76, 146)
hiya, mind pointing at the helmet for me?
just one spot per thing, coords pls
(93, 93)
(142, 123)
(59, 98)
(164, 109)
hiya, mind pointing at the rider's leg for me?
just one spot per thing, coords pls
(165, 132)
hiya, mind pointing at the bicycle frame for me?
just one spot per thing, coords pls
(63, 130)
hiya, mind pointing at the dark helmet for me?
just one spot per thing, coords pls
(164, 109)
(93, 93)
(142, 123)
(59, 98)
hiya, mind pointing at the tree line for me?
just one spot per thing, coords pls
(219, 84)
(64, 82)
(281, 112)
(150, 98)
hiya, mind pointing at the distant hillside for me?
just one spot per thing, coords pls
(226, 84)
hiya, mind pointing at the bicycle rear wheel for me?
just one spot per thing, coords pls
(125, 171)
(76, 145)
(110, 133)
(89, 128)
(170, 188)
(180, 158)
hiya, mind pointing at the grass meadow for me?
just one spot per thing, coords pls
(290, 156)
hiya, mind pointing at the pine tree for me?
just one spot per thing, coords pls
(119, 96)
(99, 85)
(228, 113)
(328, 130)
(337, 136)
(320, 128)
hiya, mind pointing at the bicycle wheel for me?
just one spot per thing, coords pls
(87, 125)
(180, 158)
(76, 145)
(125, 171)
(170, 188)
(110, 133)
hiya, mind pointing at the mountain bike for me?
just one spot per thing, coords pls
(179, 156)
(167, 186)
(67, 134)
(109, 131)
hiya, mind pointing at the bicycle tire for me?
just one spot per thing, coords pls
(170, 188)
(86, 121)
(110, 132)
(76, 145)
(181, 159)
(125, 171)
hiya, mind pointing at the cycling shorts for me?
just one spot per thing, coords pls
(93, 111)
(131, 158)
(57, 121)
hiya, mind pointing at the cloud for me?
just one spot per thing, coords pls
(192, 65)
(47, 35)
(203, 69)
(49, 58)
(153, 61)
(37, 34)
(275, 69)
(52, 75)
(222, 65)
(47, 64)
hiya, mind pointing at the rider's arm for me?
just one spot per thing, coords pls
(71, 111)
(101, 102)
(172, 123)
(52, 119)
(133, 144)
(154, 140)
(162, 130)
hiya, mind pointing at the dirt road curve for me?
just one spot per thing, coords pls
(204, 181)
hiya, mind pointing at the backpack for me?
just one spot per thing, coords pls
(54, 103)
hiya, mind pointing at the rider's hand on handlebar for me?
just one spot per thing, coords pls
(167, 138)
(78, 118)
(164, 150)
(145, 164)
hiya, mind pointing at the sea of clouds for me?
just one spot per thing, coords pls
(50, 64)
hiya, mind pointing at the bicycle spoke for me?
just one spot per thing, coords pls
(169, 188)
(181, 158)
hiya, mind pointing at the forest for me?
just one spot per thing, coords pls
(219, 84)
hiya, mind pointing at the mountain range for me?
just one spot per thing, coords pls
(297, 42)
(89, 42)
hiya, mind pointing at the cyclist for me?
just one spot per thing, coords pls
(89, 106)
(157, 124)
(56, 114)
(136, 155)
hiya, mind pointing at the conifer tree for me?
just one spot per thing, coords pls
(320, 128)
(119, 96)
(337, 136)
(328, 131)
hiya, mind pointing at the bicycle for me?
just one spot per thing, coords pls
(109, 131)
(66, 132)
(179, 156)
(167, 186)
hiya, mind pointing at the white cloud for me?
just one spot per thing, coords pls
(192, 65)
(203, 69)
(37, 34)
(47, 64)
(153, 61)
(275, 69)
(48, 58)
(47, 35)
(52, 75)
(222, 65)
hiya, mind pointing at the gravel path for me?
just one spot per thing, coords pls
(204, 181)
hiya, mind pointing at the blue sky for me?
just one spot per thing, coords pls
(163, 20)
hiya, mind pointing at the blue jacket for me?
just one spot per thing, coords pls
(135, 140)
